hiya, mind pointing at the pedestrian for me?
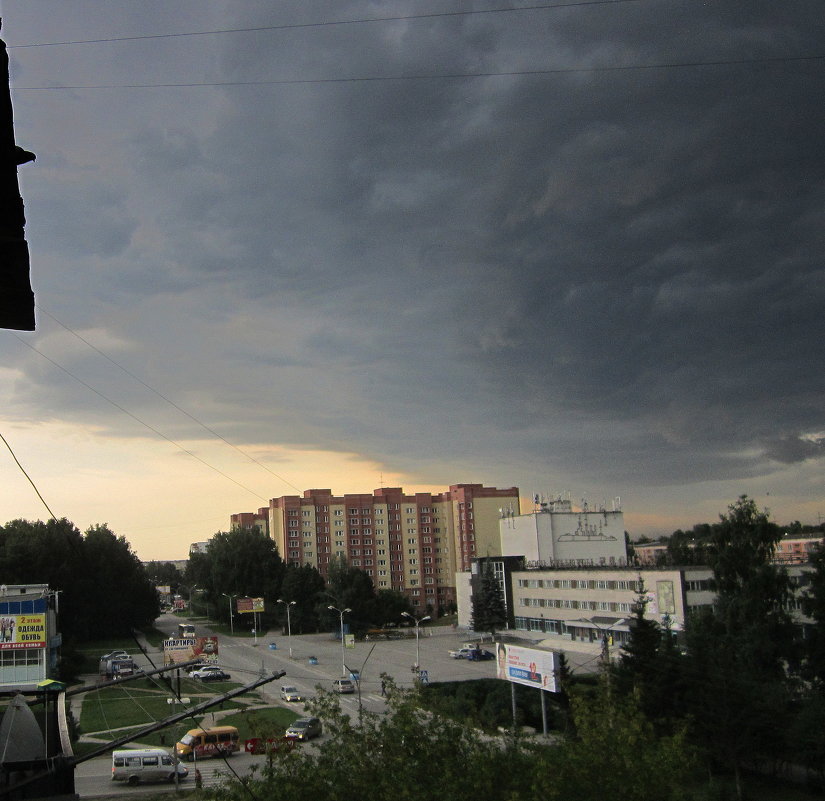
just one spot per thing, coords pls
(383, 687)
(198, 779)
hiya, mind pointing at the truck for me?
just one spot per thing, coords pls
(117, 668)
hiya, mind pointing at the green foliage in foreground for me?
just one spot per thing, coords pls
(412, 754)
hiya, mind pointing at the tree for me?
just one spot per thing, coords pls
(403, 755)
(104, 589)
(243, 562)
(347, 588)
(164, 574)
(813, 605)
(489, 612)
(737, 655)
(304, 585)
(615, 755)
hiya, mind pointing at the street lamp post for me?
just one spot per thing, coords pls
(341, 615)
(418, 621)
(231, 616)
(288, 623)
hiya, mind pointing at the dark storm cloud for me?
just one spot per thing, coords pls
(605, 273)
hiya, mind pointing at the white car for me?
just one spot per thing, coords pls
(209, 673)
(289, 693)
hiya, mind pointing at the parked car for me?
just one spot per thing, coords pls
(209, 673)
(289, 693)
(304, 729)
(480, 655)
(343, 686)
(461, 653)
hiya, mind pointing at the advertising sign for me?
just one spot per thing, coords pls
(185, 649)
(527, 666)
(245, 605)
(22, 631)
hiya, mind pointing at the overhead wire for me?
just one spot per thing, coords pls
(329, 23)
(23, 471)
(139, 420)
(439, 76)
(168, 400)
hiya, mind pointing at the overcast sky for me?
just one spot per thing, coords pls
(574, 249)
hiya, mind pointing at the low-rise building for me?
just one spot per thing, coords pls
(29, 639)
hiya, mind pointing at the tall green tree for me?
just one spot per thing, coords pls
(737, 655)
(350, 588)
(489, 611)
(240, 563)
(104, 589)
(304, 585)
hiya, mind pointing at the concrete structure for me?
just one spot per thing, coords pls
(29, 640)
(556, 533)
(410, 543)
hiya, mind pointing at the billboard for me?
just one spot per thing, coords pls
(245, 605)
(22, 631)
(527, 666)
(185, 649)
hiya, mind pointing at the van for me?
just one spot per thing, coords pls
(146, 765)
(203, 743)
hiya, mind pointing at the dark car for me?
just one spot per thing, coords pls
(480, 655)
(304, 729)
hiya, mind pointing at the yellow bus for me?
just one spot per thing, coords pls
(211, 742)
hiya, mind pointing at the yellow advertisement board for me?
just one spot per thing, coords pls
(22, 631)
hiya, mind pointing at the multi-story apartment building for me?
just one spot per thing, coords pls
(410, 543)
(250, 520)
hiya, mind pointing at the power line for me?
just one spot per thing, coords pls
(167, 400)
(442, 76)
(328, 23)
(23, 471)
(137, 419)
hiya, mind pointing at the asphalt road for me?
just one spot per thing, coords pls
(246, 659)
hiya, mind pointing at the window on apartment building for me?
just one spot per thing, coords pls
(428, 560)
(382, 561)
(356, 552)
(412, 551)
(414, 583)
(292, 512)
(367, 551)
(308, 554)
(412, 561)
(413, 571)
(356, 563)
(338, 512)
(294, 554)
